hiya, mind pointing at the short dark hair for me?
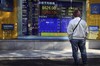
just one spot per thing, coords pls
(75, 13)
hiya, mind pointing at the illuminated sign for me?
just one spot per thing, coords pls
(8, 26)
(49, 25)
(7, 5)
(47, 3)
(49, 8)
(94, 28)
(49, 13)
(95, 8)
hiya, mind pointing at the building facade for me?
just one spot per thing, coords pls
(42, 24)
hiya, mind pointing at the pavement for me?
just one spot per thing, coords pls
(45, 58)
(43, 54)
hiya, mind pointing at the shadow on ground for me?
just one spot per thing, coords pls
(47, 62)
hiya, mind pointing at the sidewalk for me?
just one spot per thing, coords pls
(43, 54)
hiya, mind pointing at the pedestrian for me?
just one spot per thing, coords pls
(77, 31)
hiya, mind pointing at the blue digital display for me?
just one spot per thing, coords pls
(95, 8)
(64, 24)
(53, 24)
(49, 25)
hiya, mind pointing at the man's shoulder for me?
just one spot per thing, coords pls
(83, 21)
(71, 20)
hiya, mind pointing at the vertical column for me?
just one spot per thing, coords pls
(20, 17)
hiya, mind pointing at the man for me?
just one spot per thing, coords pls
(79, 35)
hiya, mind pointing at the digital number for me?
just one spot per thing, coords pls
(49, 8)
(49, 12)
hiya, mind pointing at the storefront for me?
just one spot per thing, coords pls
(40, 24)
(93, 14)
(47, 19)
(44, 18)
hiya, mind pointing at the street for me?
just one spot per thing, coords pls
(47, 62)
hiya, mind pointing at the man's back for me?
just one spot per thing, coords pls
(81, 29)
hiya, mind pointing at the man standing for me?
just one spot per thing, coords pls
(78, 29)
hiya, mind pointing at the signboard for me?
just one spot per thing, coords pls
(95, 8)
(7, 26)
(7, 5)
(93, 32)
(48, 8)
(94, 28)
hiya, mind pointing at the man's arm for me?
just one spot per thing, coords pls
(86, 29)
(69, 29)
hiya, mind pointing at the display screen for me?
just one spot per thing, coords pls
(7, 26)
(95, 8)
(94, 28)
(46, 18)
(49, 25)
(53, 24)
(6, 5)
(64, 24)
(48, 8)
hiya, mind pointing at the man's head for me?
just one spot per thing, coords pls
(77, 13)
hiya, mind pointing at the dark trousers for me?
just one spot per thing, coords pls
(79, 43)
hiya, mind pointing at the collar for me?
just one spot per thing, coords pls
(77, 18)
